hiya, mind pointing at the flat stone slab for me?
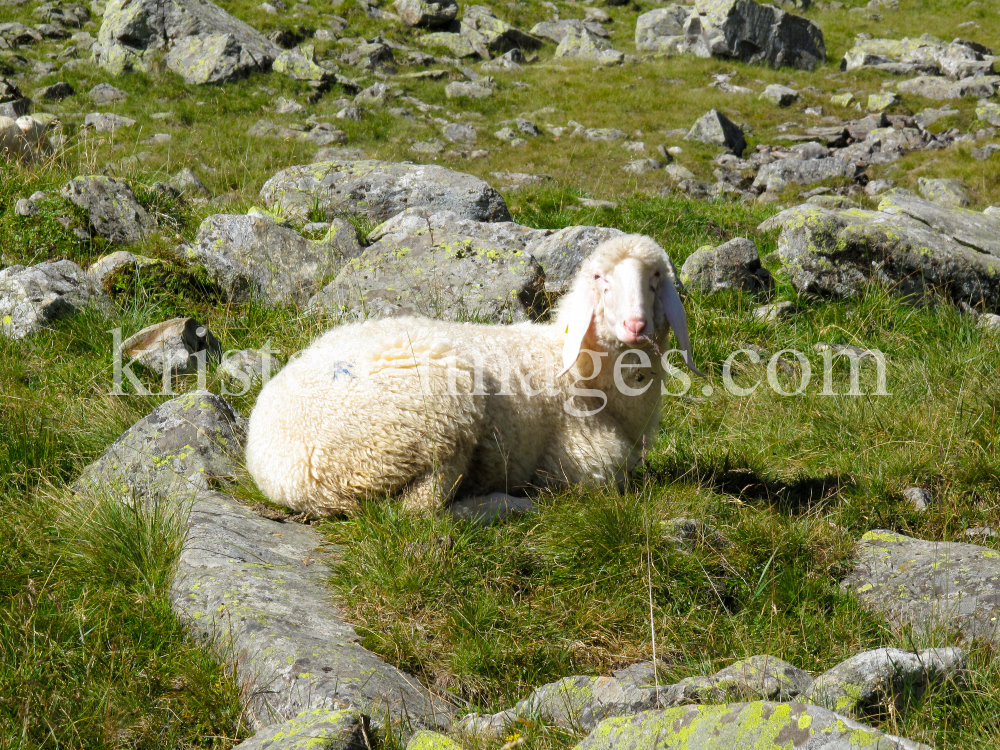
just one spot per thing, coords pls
(929, 586)
(258, 587)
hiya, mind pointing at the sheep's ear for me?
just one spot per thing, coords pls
(672, 306)
(580, 317)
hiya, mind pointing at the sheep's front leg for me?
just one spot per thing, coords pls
(486, 509)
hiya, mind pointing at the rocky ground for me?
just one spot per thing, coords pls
(191, 192)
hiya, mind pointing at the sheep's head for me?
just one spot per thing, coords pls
(623, 294)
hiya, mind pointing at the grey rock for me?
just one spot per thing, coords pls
(265, 597)
(981, 532)
(456, 44)
(960, 59)
(300, 64)
(777, 175)
(507, 135)
(426, 15)
(557, 30)
(442, 275)
(579, 703)
(172, 346)
(989, 322)
(918, 497)
(285, 106)
(487, 725)
(510, 61)
(934, 87)
(780, 96)
(382, 190)
(604, 134)
(678, 172)
(642, 674)
(203, 43)
(483, 511)
(423, 739)
(338, 154)
(25, 207)
(458, 133)
(761, 678)
(32, 296)
(488, 34)
(947, 192)
(715, 128)
(186, 181)
(351, 113)
(105, 93)
(103, 122)
(527, 127)
(55, 93)
(775, 311)
(518, 180)
(18, 35)
(733, 265)
(113, 210)
(375, 95)
(108, 264)
(882, 679)
(252, 257)
(877, 187)
(427, 147)
(186, 444)
(739, 726)
(910, 244)
(882, 101)
(986, 152)
(562, 253)
(321, 728)
(586, 45)
(467, 89)
(249, 366)
(754, 33)
(662, 29)
(642, 166)
(929, 585)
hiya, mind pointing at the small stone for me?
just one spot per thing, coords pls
(604, 134)
(642, 166)
(877, 187)
(249, 366)
(527, 127)
(981, 532)
(843, 100)
(106, 122)
(465, 89)
(105, 93)
(678, 173)
(458, 133)
(989, 321)
(25, 207)
(483, 511)
(883, 101)
(733, 265)
(918, 497)
(635, 146)
(506, 134)
(186, 181)
(715, 128)
(781, 96)
(287, 106)
(351, 113)
(775, 311)
(427, 147)
(946, 192)
(55, 93)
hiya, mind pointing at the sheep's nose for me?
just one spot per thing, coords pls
(634, 325)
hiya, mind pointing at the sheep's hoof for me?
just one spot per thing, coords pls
(486, 509)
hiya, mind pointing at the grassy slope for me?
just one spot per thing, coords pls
(91, 656)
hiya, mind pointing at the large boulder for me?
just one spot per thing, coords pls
(557, 30)
(927, 55)
(733, 265)
(662, 29)
(938, 88)
(439, 275)
(581, 702)
(427, 15)
(930, 586)
(381, 190)
(586, 45)
(253, 257)
(112, 208)
(202, 42)
(257, 588)
(32, 296)
(715, 128)
(777, 175)
(753, 33)
(185, 445)
(910, 244)
(741, 726)
(487, 32)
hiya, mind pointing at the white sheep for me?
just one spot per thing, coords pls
(432, 411)
(25, 138)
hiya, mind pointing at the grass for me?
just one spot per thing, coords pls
(90, 654)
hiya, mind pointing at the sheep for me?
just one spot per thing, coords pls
(25, 138)
(433, 411)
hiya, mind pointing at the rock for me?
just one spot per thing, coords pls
(342, 729)
(579, 703)
(186, 181)
(741, 726)
(780, 96)
(483, 511)
(843, 100)
(518, 180)
(13, 103)
(909, 244)
(269, 602)
(30, 297)
(586, 45)
(456, 44)
(113, 210)
(679, 173)
(946, 192)
(488, 34)
(460, 89)
(562, 253)
(929, 585)
(106, 123)
(203, 43)
(172, 346)
(285, 106)
(510, 61)
(662, 29)
(753, 33)
(252, 257)
(557, 30)
(960, 59)
(427, 147)
(55, 93)
(108, 265)
(984, 532)
(604, 134)
(338, 154)
(986, 152)
(989, 112)
(775, 311)
(25, 207)
(249, 366)
(934, 87)
(733, 265)
(715, 128)
(381, 190)
(883, 101)
(442, 275)
(761, 678)
(105, 93)
(879, 680)
(426, 15)
(642, 674)
(777, 175)
(989, 321)
(642, 166)
(487, 725)
(458, 133)
(425, 740)
(877, 187)
(185, 445)
(300, 64)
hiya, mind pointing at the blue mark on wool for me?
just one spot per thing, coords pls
(343, 368)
